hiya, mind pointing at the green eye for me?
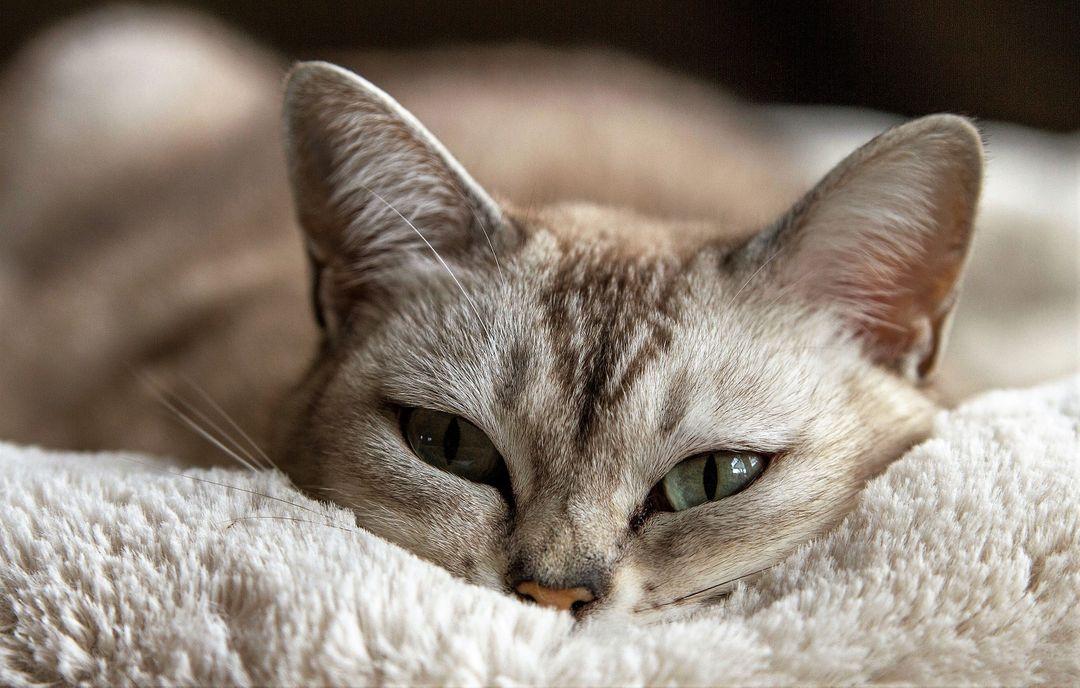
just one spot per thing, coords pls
(453, 444)
(709, 477)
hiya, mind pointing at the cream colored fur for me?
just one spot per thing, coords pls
(960, 565)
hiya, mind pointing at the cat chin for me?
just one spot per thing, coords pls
(614, 615)
(624, 601)
(613, 619)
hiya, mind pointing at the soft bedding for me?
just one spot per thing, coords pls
(960, 564)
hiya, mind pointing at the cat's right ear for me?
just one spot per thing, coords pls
(380, 200)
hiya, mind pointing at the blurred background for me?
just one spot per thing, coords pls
(146, 224)
(993, 59)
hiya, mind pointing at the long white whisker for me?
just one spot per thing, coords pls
(679, 600)
(755, 274)
(787, 289)
(221, 433)
(166, 471)
(234, 451)
(247, 438)
(483, 228)
(323, 489)
(208, 437)
(234, 521)
(438, 257)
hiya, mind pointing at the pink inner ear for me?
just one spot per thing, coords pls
(381, 201)
(884, 238)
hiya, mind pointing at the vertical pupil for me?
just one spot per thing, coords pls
(710, 477)
(451, 440)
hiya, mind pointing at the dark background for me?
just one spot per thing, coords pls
(1016, 61)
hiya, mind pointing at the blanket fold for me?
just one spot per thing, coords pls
(960, 564)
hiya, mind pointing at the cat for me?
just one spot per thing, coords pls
(584, 405)
(599, 411)
(141, 237)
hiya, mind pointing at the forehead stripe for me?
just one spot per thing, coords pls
(607, 319)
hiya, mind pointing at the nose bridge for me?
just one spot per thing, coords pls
(565, 540)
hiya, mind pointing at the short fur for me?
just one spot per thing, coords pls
(597, 349)
(596, 346)
(959, 565)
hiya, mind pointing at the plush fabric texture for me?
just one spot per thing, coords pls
(961, 564)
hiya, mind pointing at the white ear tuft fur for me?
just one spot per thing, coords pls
(884, 237)
(375, 192)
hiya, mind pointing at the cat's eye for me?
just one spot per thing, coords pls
(453, 444)
(708, 477)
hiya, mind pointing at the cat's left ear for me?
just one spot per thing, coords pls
(380, 200)
(884, 237)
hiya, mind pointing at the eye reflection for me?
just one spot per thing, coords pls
(453, 444)
(710, 477)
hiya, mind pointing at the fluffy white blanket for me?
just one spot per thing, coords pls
(961, 564)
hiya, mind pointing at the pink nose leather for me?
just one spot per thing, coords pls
(562, 599)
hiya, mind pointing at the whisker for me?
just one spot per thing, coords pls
(787, 289)
(755, 274)
(483, 228)
(205, 434)
(259, 451)
(221, 433)
(162, 395)
(437, 256)
(323, 489)
(234, 521)
(679, 600)
(207, 481)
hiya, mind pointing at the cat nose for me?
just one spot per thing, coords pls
(566, 599)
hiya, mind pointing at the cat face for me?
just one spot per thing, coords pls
(594, 410)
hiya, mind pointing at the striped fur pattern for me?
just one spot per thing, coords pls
(598, 348)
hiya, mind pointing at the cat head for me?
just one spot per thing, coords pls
(595, 410)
